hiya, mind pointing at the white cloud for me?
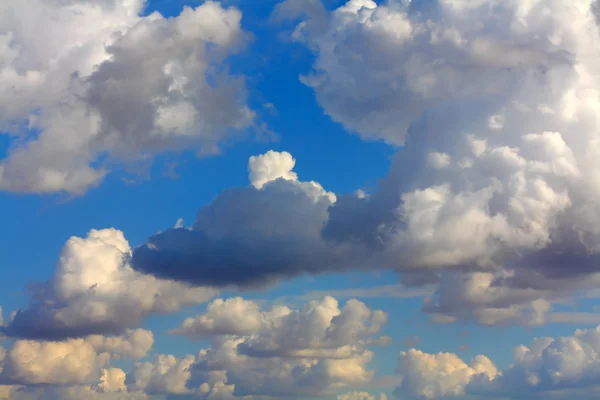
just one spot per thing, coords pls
(135, 343)
(488, 179)
(96, 78)
(360, 396)
(432, 376)
(234, 316)
(112, 380)
(315, 350)
(270, 166)
(94, 290)
(71, 362)
(74, 361)
(320, 329)
(547, 368)
(166, 374)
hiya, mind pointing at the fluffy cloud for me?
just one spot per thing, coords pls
(548, 368)
(71, 362)
(498, 122)
(360, 396)
(76, 89)
(548, 364)
(495, 186)
(235, 316)
(318, 349)
(320, 329)
(74, 361)
(271, 166)
(166, 374)
(250, 236)
(432, 376)
(95, 291)
(135, 343)
(482, 297)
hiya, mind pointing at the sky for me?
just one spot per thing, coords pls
(299, 199)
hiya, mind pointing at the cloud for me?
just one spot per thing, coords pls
(271, 166)
(496, 173)
(133, 344)
(320, 329)
(235, 316)
(432, 376)
(78, 92)
(494, 186)
(548, 368)
(74, 361)
(548, 364)
(95, 291)
(166, 374)
(250, 236)
(315, 350)
(383, 291)
(71, 362)
(360, 396)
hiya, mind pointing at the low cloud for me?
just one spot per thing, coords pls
(548, 368)
(95, 291)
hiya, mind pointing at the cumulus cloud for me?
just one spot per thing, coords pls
(235, 316)
(498, 124)
(360, 396)
(94, 290)
(320, 329)
(315, 350)
(74, 361)
(495, 185)
(432, 376)
(135, 343)
(71, 362)
(548, 368)
(271, 166)
(250, 236)
(77, 90)
(166, 374)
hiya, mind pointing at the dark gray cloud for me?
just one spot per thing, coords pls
(249, 237)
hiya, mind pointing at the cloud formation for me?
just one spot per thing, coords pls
(95, 291)
(83, 81)
(547, 368)
(250, 236)
(74, 361)
(315, 350)
(494, 188)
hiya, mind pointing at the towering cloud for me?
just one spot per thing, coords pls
(82, 80)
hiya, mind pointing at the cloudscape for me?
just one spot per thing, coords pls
(299, 199)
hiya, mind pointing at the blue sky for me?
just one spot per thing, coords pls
(457, 192)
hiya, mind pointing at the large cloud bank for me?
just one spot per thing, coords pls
(494, 194)
(319, 349)
(83, 81)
